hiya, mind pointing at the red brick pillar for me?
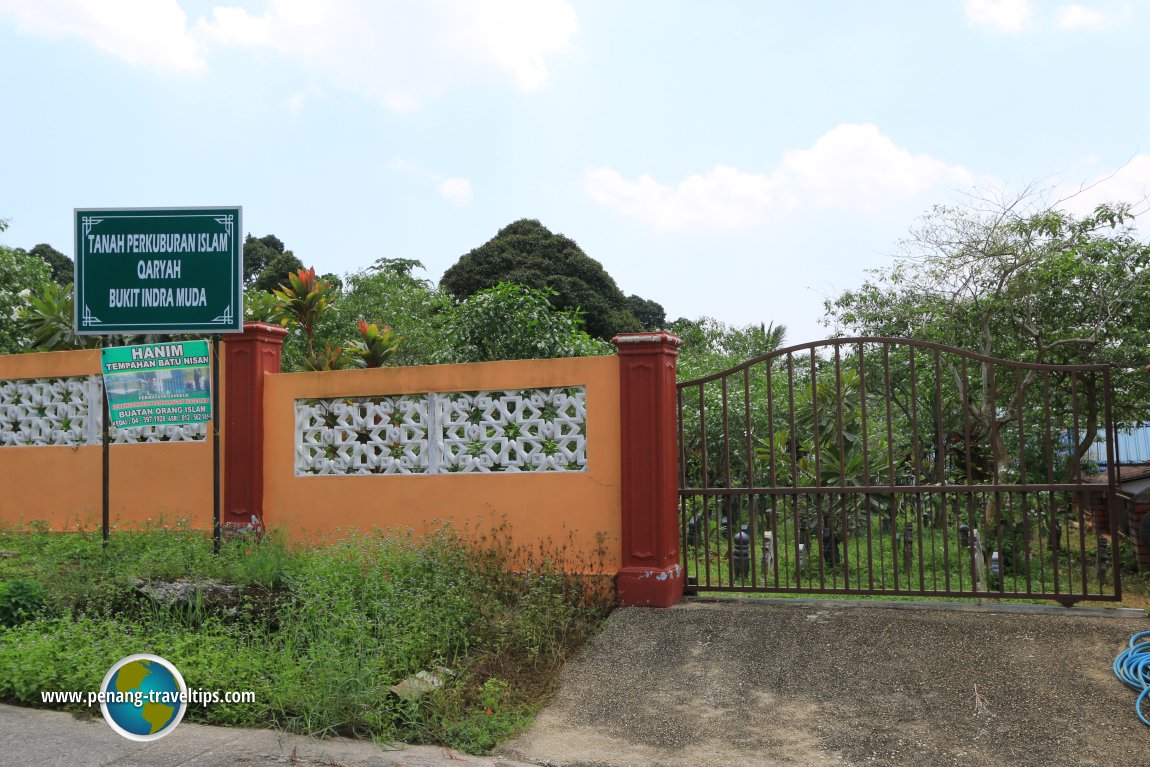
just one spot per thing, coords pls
(652, 574)
(248, 357)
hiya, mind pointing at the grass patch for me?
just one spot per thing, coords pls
(320, 635)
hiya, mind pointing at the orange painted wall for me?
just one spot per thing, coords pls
(62, 486)
(172, 483)
(562, 507)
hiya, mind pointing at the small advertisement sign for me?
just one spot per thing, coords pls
(166, 384)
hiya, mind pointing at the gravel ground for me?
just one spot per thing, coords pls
(747, 683)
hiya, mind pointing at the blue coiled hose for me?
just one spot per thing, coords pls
(1132, 667)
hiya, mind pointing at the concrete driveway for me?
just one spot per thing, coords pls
(752, 682)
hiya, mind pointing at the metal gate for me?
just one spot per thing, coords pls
(887, 466)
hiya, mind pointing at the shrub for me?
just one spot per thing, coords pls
(515, 322)
(20, 600)
(321, 635)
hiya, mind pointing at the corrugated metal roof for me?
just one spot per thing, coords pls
(1138, 490)
(1133, 446)
(1126, 475)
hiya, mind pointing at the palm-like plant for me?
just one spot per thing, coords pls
(375, 345)
(331, 358)
(48, 319)
(302, 302)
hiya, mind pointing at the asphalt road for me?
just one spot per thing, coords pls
(752, 683)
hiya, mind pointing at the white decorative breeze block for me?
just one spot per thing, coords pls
(40, 412)
(369, 435)
(48, 411)
(526, 430)
(442, 433)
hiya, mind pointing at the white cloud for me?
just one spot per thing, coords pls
(404, 166)
(515, 36)
(1076, 16)
(1007, 16)
(852, 167)
(145, 33)
(299, 99)
(235, 26)
(1013, 17)
(856, 166)
(401, 53)
(456, 190)
(724, 198)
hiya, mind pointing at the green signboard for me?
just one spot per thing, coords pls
(159, 270)
(157, 384)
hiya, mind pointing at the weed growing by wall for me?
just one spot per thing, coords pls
(328, 638)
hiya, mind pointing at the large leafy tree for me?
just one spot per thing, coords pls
(267, 262)
(421, 324)
(390, 295)
(515, 322)
(527, 253)
(650, 314)
(258, 251)
(710, 346)
(24, 274)
(1019, 280)
(60, 264)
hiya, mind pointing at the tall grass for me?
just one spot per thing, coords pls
(321, 635)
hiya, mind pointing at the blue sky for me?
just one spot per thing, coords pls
(741, 160)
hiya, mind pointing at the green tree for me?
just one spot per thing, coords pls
(61, 265)
(386, 293)
(401, 266)
(515, 322)
(710, 346)
(527, 253)
(277, 272)
(47, 319)
(387, 302)
(267, 263)
(24, 274)
(258, 251)
(1019, 280)
(300, 304)
(649, 313)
